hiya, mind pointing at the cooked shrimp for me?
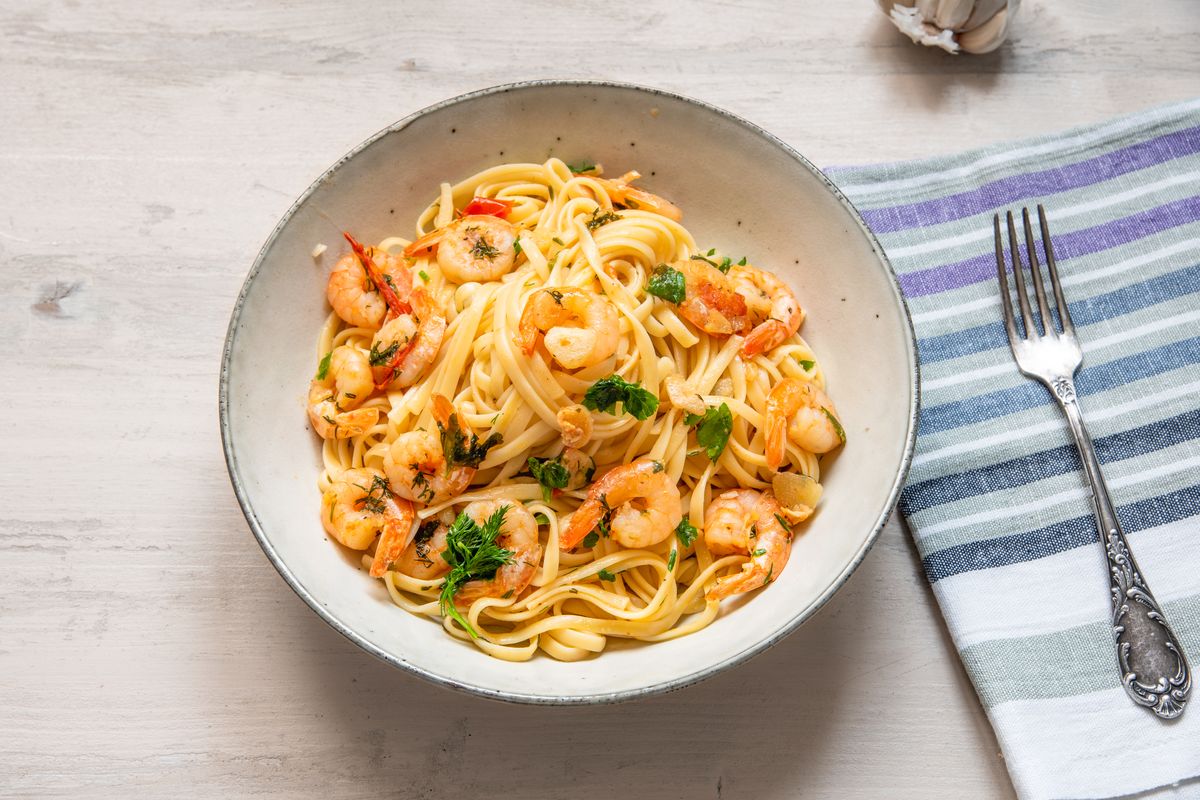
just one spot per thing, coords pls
(423, 558)
(356, 298)
(580, 465)
(747, 521)
(580, 327)
(710, 302)
(519, 535)
(575, 422)
(800, 411)
(619, 191)
(333, 401)
(643, 500)
(359, 504)
(420, 470)
(774, 311)
(405, 347)
(475, 248)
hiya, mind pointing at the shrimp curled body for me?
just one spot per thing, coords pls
(519, 535)
(799, 411)
(358, 505)
(353, 295)
(774, 311)
(580, 327)
(334, 400)
(643, 499)
(749, 522)
(473, 248)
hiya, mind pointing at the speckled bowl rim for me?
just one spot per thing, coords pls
(662, 687)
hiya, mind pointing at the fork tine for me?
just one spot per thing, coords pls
(1064, 313)
(1002, 274)
(1039, 287)
(1031, 331)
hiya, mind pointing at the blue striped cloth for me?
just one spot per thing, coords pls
(996, 500)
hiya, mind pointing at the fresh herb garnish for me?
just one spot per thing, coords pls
(686, 532)
(323, 367)
(423, 275)
(787, 526)
(837, 426)
(551, 473)
(807, 365)
(581, 167)
(762, 551)
(599, 219)
(724, 264)
(667, 283)
(713, 430)
(422, 541)
(558, 242)
(555, 295)
(671, 560)
(742, 263)
(482, 249)
(461, 451)
(605, 575)
(472, 553)
(541, 518)
(591, 539)
(516, 247)
(377, 496)
(604, 394)
(379, 358)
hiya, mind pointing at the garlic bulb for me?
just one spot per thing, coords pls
(974, 26)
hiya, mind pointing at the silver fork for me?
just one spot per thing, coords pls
(1154, 669)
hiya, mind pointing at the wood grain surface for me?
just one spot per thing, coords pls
(148, 649)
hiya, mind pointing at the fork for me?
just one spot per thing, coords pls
(1153, 667)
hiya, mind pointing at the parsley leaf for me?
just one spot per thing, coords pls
(671, 560)
(551, 473)
(807, 365)
(604, 394)
(424, 275)
(686, 532)
(323, 367)
(581, 167)
(591, 539)
(762, 551)
(713, 431)
(667, 283)
(605, 575)
(472, 553)
(459, 450)
(724, 264)
(516, 247)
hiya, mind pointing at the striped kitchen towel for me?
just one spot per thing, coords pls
(996, 500)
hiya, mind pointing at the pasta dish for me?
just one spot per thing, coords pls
(551, 419)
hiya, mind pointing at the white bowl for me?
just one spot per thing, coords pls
(742, 191)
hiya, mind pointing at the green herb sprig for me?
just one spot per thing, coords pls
(461, 451)
(604, 394)
(712, 429)
(472, 553)
(551, 473)
(667, 283)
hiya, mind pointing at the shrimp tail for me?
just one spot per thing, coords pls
(745, 581)
(398, 519)
(776, 440)
(764, 337)
(583, 521)
(426, 243)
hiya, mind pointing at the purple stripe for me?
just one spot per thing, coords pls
(1006, 191)
(1082, 242)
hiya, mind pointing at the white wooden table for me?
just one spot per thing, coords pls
(146, 150)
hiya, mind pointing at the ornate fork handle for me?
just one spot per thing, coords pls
(1154, 671)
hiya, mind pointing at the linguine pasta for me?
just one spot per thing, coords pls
(576, 231)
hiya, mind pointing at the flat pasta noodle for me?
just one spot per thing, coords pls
(573, 232)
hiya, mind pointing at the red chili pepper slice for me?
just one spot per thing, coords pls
(488, 207)
(389, 371)
(390, 297)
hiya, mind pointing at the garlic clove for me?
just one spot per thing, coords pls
(988, 36)
(951, 14)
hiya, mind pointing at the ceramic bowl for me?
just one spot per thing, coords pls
(742, 191)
